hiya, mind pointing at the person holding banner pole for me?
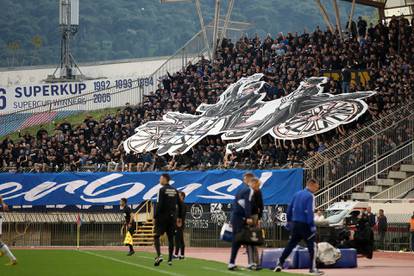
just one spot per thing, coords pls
(129, 225)
(4, 249)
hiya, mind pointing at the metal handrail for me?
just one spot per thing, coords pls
(148, 210)
(335, 192)
(396, 190)
(330, 154)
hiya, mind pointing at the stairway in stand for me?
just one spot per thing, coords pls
(144, 234)
(394, 177)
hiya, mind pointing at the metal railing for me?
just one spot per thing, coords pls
(396, 238)
(45, 114)
(145, 212)
(369, 173)
(397, 190)
(203, 231)
(362, 148)
(131, 92)
(193, 51)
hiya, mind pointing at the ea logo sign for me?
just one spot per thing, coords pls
(196, 211)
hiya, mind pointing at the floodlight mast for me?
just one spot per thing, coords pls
(68, 25)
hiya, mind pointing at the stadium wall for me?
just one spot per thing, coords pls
(25, 88)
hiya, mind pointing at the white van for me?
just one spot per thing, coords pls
(337, 213)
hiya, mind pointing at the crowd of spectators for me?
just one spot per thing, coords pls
(385, 52)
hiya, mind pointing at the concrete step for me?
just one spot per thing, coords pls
(372, 189)
(407, 168)
(144, 231)
(385, 182)
(397, 175)
(360, 196)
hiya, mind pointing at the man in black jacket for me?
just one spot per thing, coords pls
(129, 222)
(257, 212)
(166, 220)
(382, 228)
(371, 217)
(179, 234)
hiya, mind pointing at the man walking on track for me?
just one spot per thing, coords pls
(4, 249)
(301, 224)
(129, 224)
(166, 220)
(179, 234)
(240, 216)
(257, 213)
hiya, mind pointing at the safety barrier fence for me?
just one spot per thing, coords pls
(398, 190)
(194, 50)
(106, 230)
(365, 175)
(396, 238)
(361, 148)
(129, 91)
(199, 232)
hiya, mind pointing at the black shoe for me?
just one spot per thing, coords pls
(130, 253)
(181, 257)
(170, 263)
(158, 260)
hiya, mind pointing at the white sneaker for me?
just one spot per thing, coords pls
(231, 267)
(278, 268)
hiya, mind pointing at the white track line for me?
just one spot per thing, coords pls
(133, 264)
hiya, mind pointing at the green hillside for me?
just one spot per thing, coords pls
(119, 29)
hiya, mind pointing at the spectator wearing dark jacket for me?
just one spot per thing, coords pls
(382, 228)
(371, 217)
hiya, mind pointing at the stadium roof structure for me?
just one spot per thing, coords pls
(389, 8)
(386, 10)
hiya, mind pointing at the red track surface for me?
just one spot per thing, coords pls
(383, 263)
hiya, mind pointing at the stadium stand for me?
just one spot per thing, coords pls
(385, 52)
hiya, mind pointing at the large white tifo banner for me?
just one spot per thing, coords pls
(26, 89)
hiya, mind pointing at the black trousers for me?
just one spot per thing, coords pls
(165, 226)
(179, 241)
(300, 231)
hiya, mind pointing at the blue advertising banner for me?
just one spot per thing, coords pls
(214, 186)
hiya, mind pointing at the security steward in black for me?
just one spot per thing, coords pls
(167, 217)
(179, 233)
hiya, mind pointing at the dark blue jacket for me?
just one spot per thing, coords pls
(301, 209)
(241, 208)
